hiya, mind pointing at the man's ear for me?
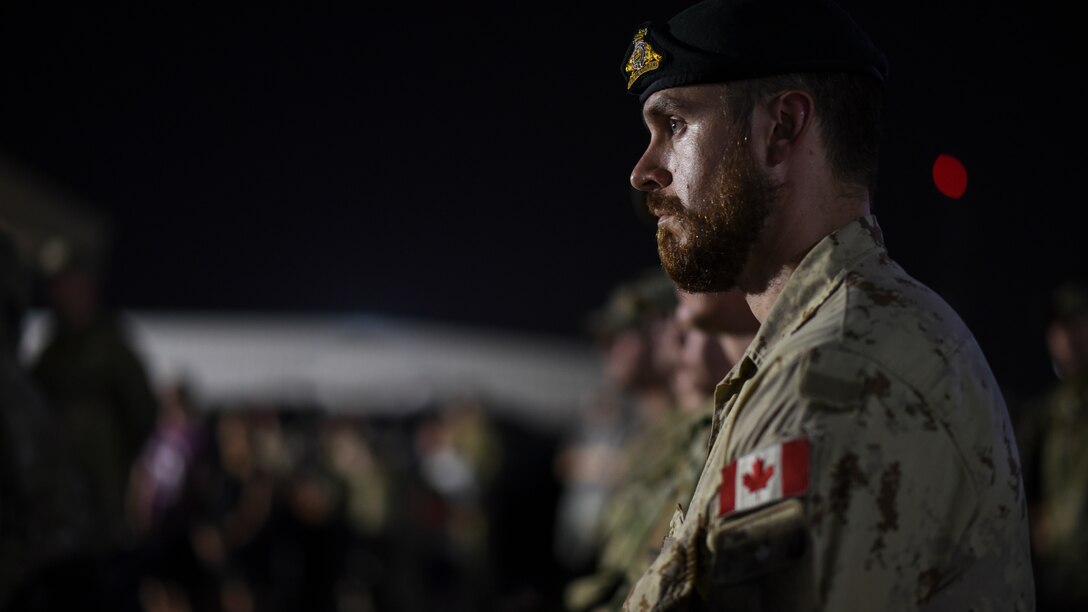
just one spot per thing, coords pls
(790, 114)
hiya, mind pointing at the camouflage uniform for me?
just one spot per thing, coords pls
(107, 406)
(663, 462)
(912, 497)
(43, 526)
(1061, 474)
(41, 494)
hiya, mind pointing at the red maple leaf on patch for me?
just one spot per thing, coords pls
(759, 476)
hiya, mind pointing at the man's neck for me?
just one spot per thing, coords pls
(762, 301)
(794, 235)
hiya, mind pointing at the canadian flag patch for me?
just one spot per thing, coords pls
(765, 475)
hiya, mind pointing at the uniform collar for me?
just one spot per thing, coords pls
(817, 277)
(820, 273)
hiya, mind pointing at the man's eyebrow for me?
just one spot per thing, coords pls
(663, 106)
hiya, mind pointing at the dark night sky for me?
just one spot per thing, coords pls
(469, 163)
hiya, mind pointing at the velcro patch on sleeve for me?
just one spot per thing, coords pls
(833, 378)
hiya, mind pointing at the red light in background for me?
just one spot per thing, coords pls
(950, 176)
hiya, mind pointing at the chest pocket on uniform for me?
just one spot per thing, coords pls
(758, 543)
(757, 561)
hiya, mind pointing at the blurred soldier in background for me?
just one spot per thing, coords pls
(459, 455)
(662, 463)
(726, 315)
(97, 383)
(352, 459)
(45, 563)
(700, 362)
(628, 330)
(1054, 433)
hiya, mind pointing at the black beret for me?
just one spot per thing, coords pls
(715, 41)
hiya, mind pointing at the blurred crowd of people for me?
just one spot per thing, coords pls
(119, 494)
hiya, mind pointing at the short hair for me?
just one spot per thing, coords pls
(850, 110)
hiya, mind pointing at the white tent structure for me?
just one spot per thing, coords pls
(357, 363)
(361, 363)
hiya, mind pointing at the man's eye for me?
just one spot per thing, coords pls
(675, 125)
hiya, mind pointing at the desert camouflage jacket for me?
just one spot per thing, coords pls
(862, 458)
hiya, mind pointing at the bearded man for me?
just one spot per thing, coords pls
(861, 454)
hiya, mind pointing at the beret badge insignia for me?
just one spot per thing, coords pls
(643, 58)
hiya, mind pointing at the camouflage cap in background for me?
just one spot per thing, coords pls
(59, 255)
(1068, 301)
(632, 303)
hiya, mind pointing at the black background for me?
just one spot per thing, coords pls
(468, 162)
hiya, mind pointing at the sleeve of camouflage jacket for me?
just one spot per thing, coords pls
(891, 519)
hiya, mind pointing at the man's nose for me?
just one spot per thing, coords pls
(648, 174)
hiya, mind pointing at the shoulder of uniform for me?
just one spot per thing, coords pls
(839, 375)
(887, 300)
(902, 324)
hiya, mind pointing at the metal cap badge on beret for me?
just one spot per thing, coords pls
(716, 41)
